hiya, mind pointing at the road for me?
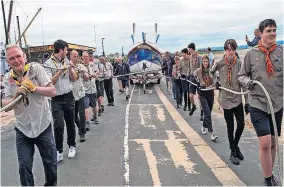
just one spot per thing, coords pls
(146, 141)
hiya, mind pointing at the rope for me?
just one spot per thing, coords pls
(11, 103)
(272, 116)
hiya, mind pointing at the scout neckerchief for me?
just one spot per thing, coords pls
(205, 76)
(15, 76)
(18, 81)
(269, 66)
(54, 60)
(230, 67)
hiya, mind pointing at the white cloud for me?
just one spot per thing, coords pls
(205, 22)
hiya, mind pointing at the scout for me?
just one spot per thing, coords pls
(79, 94)
(33, 116)
(63, 104)
(206, 97)
(195, 62)
(264, 63)
(232, 105)
(185, 68)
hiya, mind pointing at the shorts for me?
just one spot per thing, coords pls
(90, 100)
(192, 88)
(262, 121)
(125, 83)
(100, 88)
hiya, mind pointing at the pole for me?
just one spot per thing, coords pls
(103, 46)
(122, 54)
(4, 18)
(95, 37)
(28, 26)
(19, 31)
(9, 20)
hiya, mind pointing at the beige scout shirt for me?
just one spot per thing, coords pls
(34, 118)
(228, 100)
(102, 70)
(198, 74)
(90, 85)
(63, 84)
(254, 68)
(78, 87)
(184, 66)
(195, 63)
(108, 70)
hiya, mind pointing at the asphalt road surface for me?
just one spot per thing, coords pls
(146, 141)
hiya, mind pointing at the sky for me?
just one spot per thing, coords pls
(207, 23)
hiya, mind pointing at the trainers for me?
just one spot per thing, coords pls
(274, 181)
(239, 154)
(59, 156)
(82, 138)
(103, 108)
(100, 112)
(234, 158)
(184, 108)
(72, 152)
(112, 104)
(213, 137)
(96, 121)
(127, 97)
(192, 110)
(87, 125)
(109, 104)
(203, 130)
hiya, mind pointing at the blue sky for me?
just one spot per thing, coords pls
(180, 22)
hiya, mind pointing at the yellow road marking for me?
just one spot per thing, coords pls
(152, 161)
(219, 168)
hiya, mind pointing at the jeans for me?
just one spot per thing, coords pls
(25, 150)
(178, 88)
(207, 101)
(81, 119)
(109, 90)
(173, 87)
(229, 118)
(63, 108)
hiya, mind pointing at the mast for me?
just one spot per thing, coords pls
(9, 20)
(4, 19)
(19, 31)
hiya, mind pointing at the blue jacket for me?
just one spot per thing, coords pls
(254, 42)
(122, 69)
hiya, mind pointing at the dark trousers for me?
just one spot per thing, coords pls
(178, 88)
(207, 101)
(185, 87)
(109, 90)
(25, 150)
(229, 114)
(81, 119)
(63, 108)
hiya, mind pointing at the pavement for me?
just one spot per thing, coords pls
(146, 141)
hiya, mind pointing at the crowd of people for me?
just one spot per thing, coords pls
(72, 92)
(263, 63)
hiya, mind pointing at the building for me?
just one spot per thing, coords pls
(37, 52)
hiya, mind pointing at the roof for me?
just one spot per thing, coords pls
(71, 46)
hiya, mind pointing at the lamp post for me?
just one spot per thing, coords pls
(95, 38)
(122, 54)
(103, 46)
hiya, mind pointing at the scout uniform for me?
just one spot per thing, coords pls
(33, 125)
(206, 99)
(62, 106)
(231, 103)
(185, 68)
(79, 94)
(267, 69)
(108, 82)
